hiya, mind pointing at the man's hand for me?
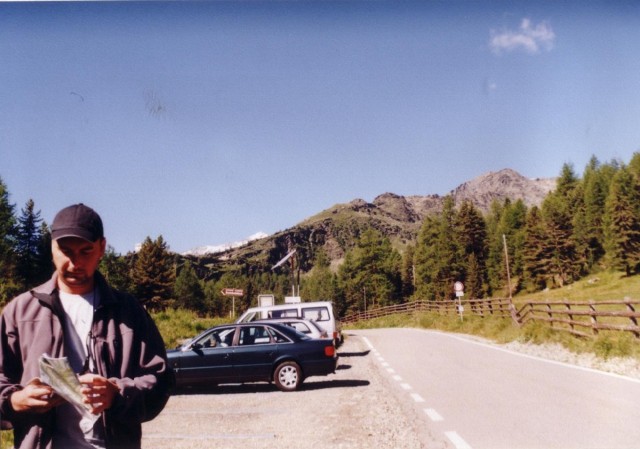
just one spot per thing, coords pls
(35, 397)
(99, 392)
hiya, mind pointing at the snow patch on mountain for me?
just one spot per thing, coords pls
(213, 249)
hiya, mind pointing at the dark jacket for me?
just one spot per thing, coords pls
(127, 347)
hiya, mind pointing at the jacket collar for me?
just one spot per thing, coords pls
(47, 293)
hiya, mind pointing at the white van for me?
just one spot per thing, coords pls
(320, 311)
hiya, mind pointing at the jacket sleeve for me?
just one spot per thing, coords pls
(145, 378)
(10, 363)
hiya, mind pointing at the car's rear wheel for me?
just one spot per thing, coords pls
(288, 376)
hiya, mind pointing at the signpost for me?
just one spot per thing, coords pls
(458, 287)
(233, 292)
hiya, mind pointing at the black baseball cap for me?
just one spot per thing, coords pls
(77, 221)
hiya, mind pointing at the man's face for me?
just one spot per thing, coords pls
(76, 261)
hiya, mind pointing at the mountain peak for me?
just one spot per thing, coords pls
(503, 184)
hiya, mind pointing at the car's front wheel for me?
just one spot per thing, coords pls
(288, 376)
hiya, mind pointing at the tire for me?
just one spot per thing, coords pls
(288, 376)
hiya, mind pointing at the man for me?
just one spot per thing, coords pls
(108, 338)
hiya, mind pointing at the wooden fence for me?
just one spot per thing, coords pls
(584, 319)
(483, 307)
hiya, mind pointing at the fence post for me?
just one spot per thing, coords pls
(594, 320)
(569, 314)
(633, 319)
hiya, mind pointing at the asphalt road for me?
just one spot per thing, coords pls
(479, 396)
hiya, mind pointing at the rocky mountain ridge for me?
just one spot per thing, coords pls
(398, 217)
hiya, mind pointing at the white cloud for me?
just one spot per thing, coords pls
(529, 37)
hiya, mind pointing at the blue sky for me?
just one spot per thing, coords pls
(207, 122)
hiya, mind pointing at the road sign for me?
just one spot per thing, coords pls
(232, 292)
(458, 286)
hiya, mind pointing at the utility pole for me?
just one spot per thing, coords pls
(512, 308)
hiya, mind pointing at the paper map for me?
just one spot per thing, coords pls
(57, 373)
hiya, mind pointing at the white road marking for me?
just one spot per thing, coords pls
(457, 440)
(366, 340)
(417, 398)
(433, 415)
(397, 378)
(406, 387)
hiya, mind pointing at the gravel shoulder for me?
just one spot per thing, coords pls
(624, 366)
(353, 408)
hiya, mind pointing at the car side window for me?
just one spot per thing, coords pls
(217, 338)
(278, 337)
(316, 313)
(254, 335)
(208, 341)
(284, 313)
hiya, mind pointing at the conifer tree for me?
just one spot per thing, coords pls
(350, 295)
(622, 222)
(559, 229)
(9, 286)
(212, 298)
(557, 211)
(370, 275)
(408, 272)
(45, 258)
(634, 165)
(188, 290)
(588, 216)
(320, 284)
(153, 274)
(495, 253)
(438, 263)
(536, 251)
(474, 278)
(116, 270)
(471, 234)
(426, 258)
(29, 248)
(506, 223)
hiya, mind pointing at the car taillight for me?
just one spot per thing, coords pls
(329, 351)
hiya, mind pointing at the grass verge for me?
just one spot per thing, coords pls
(504, 330)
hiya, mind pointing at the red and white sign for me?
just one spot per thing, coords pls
(458, 286)
(232, 292)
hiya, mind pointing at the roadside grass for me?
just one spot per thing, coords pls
(177, 325)
(597, 287)
(6, 438)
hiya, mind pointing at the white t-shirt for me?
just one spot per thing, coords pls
(78, 320)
